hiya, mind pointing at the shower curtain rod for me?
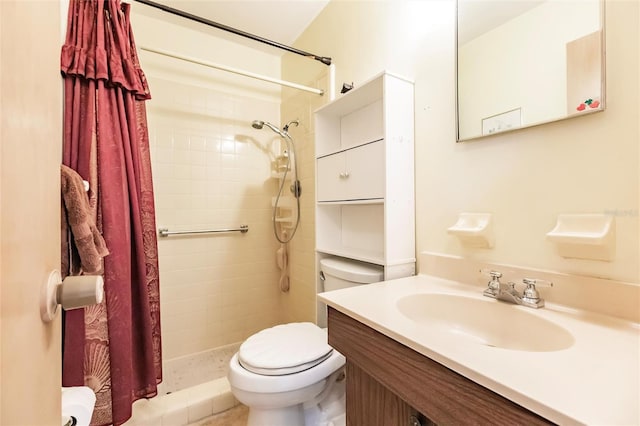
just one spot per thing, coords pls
(324, 59)
(234, 70)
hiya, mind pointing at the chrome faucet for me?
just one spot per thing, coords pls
(508, 293)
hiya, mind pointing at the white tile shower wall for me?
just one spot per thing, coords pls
(212, 170)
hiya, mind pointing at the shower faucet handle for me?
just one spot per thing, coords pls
(296, 189)
(344, 175)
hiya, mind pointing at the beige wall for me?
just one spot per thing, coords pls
(31, 132)
(525, 178)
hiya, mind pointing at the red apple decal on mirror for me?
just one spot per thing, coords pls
(594, 104)
(581, 107)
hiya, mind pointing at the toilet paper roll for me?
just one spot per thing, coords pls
(80, 291)
(78, 402)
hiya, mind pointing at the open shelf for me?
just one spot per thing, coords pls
(341, 202)
(362, 255)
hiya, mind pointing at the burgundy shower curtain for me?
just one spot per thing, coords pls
(114, 347)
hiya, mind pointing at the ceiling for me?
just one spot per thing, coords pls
(282, 21)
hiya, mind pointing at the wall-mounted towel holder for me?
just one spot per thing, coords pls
(474, 230)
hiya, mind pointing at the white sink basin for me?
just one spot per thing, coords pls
(488, 322)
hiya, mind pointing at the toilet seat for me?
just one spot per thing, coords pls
(244, 380)
(285, 349)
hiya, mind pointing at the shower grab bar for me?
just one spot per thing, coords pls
(164, 232)
(234, 70)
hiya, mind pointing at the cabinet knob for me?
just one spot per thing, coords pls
(414, 421)
(344, 175)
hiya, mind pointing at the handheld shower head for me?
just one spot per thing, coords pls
(259, 124)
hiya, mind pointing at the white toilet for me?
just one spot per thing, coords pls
(288, 375)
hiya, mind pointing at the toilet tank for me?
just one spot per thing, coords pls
(339, 272)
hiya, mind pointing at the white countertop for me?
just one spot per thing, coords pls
(595, 381)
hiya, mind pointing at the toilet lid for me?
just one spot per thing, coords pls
(285, 349)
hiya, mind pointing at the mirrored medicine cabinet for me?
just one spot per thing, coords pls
(522, 63)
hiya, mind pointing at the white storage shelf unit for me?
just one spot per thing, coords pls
(365, 176)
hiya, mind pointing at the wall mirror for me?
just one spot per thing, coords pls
(522, 63)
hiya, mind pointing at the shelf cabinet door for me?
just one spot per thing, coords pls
(330, 172)
(354, 174)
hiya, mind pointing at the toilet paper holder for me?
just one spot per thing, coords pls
(72, 293)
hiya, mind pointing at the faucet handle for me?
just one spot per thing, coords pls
(495, 276)
(530, 294)
(532, 282)
(491, 273)
(493, 286)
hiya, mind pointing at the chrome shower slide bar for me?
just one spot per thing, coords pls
(164, 232)
(234, 70)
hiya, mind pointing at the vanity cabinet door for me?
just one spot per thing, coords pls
(354, 174)
(370, 403)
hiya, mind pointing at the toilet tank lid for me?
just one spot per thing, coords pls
(352, 270)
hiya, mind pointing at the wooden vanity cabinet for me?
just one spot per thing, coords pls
(389, 384)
